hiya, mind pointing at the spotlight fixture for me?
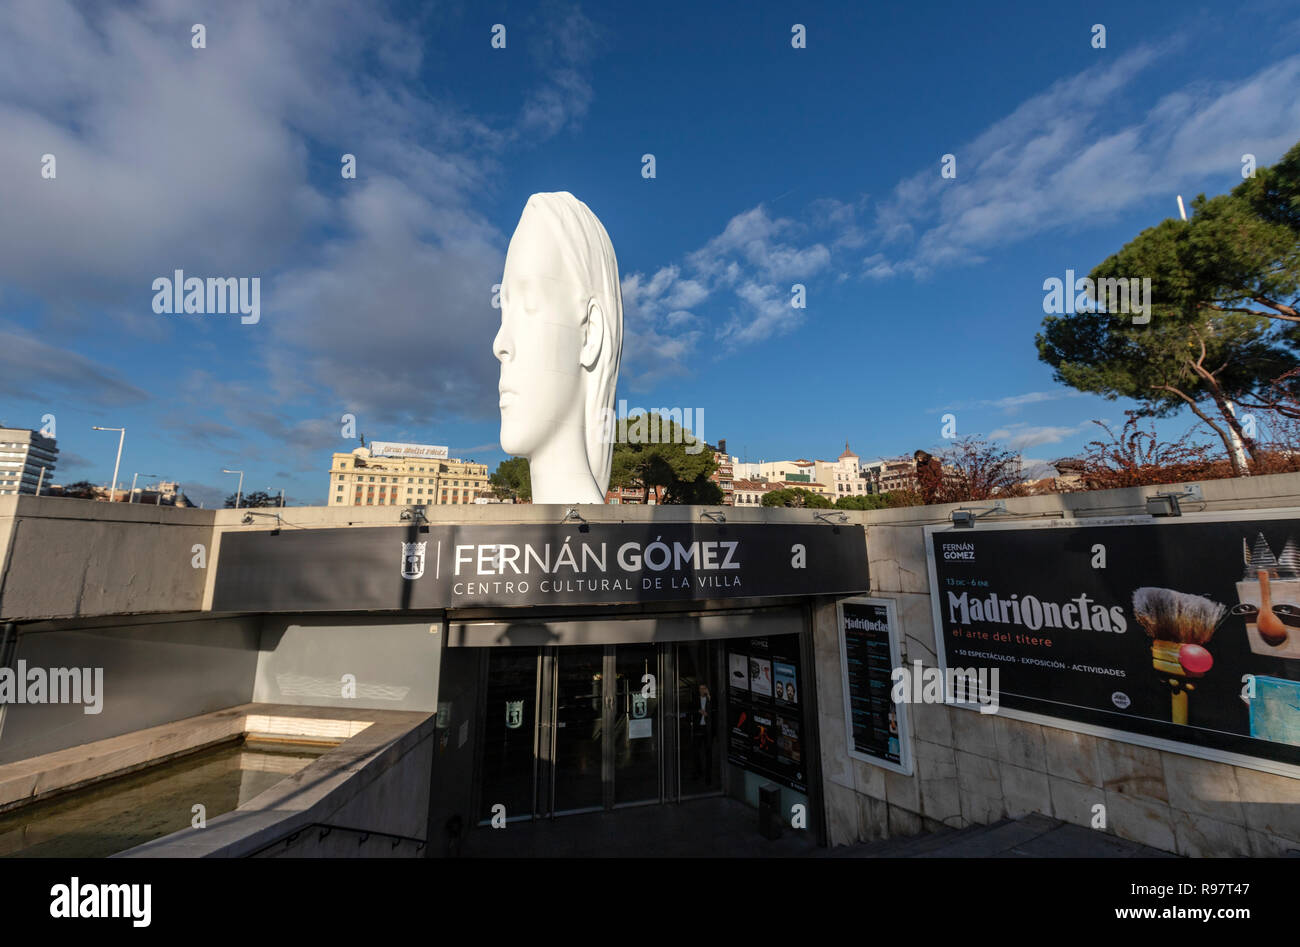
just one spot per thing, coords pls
(965, 518)
(824, 516)
(248, 518)
(1166, 504)
(716, 516)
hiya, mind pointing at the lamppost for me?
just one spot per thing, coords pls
(112, 493)
(240, 492)
(134, 477)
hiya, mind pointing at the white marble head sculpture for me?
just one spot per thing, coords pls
(560, 342)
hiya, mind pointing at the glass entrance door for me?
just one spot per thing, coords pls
(587, 728)
(580, 729)
(635, 728)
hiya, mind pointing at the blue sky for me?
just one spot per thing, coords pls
(774, 166)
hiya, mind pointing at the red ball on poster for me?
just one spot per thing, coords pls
(1195, 659)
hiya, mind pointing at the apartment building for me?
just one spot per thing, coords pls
(844, 476)
(23, 454)
(406, 474)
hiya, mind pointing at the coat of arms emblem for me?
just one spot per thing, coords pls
(514, 714)
(640, 706)
(412, 560)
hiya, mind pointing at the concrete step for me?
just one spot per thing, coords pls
(907, 846)
(1033, 836)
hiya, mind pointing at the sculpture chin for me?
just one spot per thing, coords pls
(514, 441)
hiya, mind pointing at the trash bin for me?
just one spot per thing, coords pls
(770, 824)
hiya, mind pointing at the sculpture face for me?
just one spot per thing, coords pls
(540, 341)
(559, 345)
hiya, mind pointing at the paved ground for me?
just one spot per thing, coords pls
(727, 828)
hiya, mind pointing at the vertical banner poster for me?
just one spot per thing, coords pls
(1181, 633)
(876, 727)
(764, 709)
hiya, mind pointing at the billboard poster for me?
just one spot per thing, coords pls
(739, 665)
(876, 727)
(764, 712)
(1176, 632)
(786, 690)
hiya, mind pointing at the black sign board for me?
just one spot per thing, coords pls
(1182, 633)
(469, 566)
(765, 709)
(869, 652)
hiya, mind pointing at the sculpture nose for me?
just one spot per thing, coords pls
(501, 346)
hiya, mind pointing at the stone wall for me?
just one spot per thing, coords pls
(971, 768)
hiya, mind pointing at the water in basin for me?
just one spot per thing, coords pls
(121, 813)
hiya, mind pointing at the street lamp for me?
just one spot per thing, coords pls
(112, 494)
(240, 492)
(134, 477)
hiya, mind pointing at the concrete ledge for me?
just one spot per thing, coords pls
(40, 777)
(313, 794)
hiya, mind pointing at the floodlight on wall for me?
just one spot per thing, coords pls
(572, 514)
(248, 518)
(716, 516)
(825, 517)
(414, 513)
(965, 518)
(1166, 504)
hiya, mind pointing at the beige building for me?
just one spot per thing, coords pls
(750, 493)
(783, 473)
(889, 475)
(358, 479)
(844, 477)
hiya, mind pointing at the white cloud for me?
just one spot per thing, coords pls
(1061, 159)
(1011, 404)
(170, 157)
(1021, 436)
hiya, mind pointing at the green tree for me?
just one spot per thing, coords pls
(867, 501)
(254, 500)
(81, 490)
(512, 480)
(654, 452)
(1223, 326)
(796, 497)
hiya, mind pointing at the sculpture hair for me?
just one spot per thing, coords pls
(588, 254)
